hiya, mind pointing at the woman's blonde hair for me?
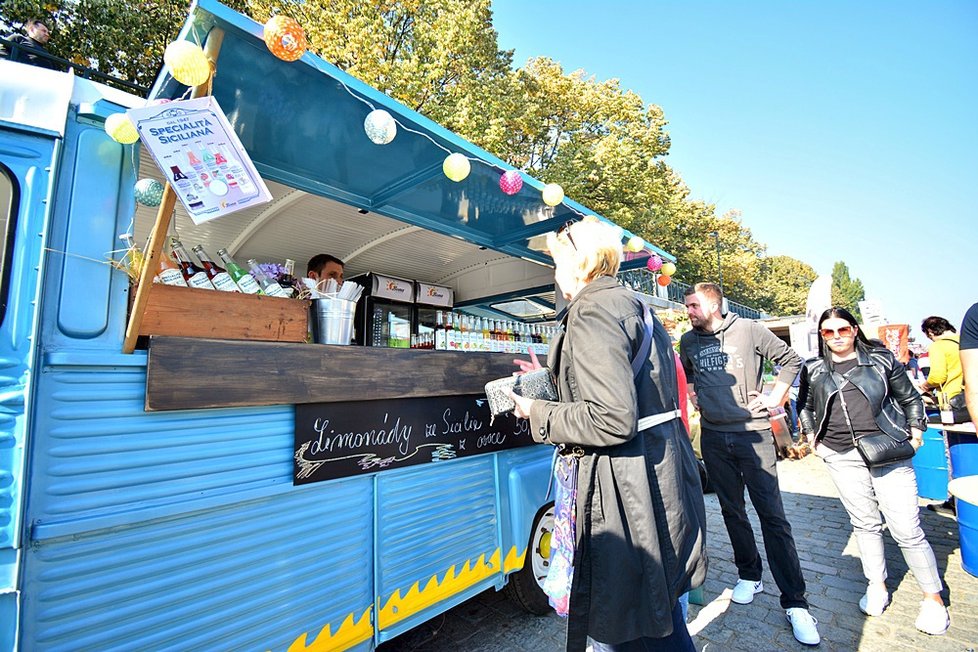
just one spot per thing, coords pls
(590, 246)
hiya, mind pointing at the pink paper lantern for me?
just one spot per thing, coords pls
(511, 182)
(654, 263)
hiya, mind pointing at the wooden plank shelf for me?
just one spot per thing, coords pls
(189, 373)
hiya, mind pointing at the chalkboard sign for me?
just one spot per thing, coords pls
(337, 440)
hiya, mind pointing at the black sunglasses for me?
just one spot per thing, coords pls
(565, 229)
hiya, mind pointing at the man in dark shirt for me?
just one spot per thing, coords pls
(28, 46)
(969, 360)
(323, 267)
(723, 357)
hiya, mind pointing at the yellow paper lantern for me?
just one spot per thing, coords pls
(635, 243)
(121, 129)
(285, 38)
(187, 63)
(553, 194)
(668, 269)
(456, 167)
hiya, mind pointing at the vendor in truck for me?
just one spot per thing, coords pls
(323, 267)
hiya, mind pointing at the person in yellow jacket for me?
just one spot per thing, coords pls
(945, 374)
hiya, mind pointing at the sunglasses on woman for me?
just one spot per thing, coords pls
(829, 333)
(565, 229)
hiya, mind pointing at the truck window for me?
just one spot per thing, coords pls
(8, 206)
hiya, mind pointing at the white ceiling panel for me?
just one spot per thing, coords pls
(299, 225)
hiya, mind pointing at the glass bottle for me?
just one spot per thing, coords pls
(169, 273)
(451, 342)
(218, 275)
(268, 286)
(193, 275)
(287, 281)
(486, 337)
(245, 281)
(133, 257)
(441, 341)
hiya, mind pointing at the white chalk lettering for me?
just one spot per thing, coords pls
(330, 441)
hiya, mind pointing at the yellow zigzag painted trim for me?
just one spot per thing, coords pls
(514, 560)
(346, 636)
(398, 608)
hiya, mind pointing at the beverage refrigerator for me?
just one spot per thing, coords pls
(431, 299)
(385, 314)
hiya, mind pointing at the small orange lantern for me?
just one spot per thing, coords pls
(664, 280)
(285, 38)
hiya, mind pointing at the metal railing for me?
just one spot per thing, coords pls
(13, 51)
(644, 281)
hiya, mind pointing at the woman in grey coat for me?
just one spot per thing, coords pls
(640, 540)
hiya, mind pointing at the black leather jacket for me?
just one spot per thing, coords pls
(879, 376)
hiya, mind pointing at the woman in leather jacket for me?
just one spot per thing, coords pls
(852, 390)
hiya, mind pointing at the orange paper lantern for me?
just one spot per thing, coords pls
(285, 38)
(664, 280)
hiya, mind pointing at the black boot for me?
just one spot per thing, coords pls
(946, 508)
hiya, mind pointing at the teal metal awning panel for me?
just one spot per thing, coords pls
(302, 124)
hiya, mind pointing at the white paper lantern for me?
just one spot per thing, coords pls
(380, 127)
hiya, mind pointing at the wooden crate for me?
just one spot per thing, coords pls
(188, 312)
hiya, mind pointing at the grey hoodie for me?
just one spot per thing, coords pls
(728, 364)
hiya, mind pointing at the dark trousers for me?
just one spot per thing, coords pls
(678, 641)
(736, 459)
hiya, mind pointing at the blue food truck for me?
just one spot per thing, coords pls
(217, 488)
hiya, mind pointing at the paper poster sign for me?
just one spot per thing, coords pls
(895, 337)
(195, 146)
(804, 339)
(871, 311)
(337, 440)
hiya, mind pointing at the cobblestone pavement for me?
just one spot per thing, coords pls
(490, 623)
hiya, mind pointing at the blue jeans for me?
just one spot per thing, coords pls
(678, 641)
(738, 459)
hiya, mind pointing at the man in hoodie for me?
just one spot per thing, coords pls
(724, 358)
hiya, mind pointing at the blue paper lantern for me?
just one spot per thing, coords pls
(149, 192)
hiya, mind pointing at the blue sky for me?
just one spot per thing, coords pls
(842, 130)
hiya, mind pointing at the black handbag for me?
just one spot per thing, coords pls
(880, 448)
(957, 409)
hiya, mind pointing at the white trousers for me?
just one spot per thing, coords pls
(892, 490)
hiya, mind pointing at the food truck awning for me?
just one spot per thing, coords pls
(303, 125)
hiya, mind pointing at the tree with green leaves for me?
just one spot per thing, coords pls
(847, 292)
(784, 285)
(601, 142)
(122, 39)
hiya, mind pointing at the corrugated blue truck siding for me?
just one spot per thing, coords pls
(438, 540)
(181, 530)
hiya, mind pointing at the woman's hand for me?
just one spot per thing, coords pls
(916, 438)
(525, 366)
(523, 405)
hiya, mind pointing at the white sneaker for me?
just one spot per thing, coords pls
(875, 600)
(933, 618)
(803, 626)
(744, 590)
